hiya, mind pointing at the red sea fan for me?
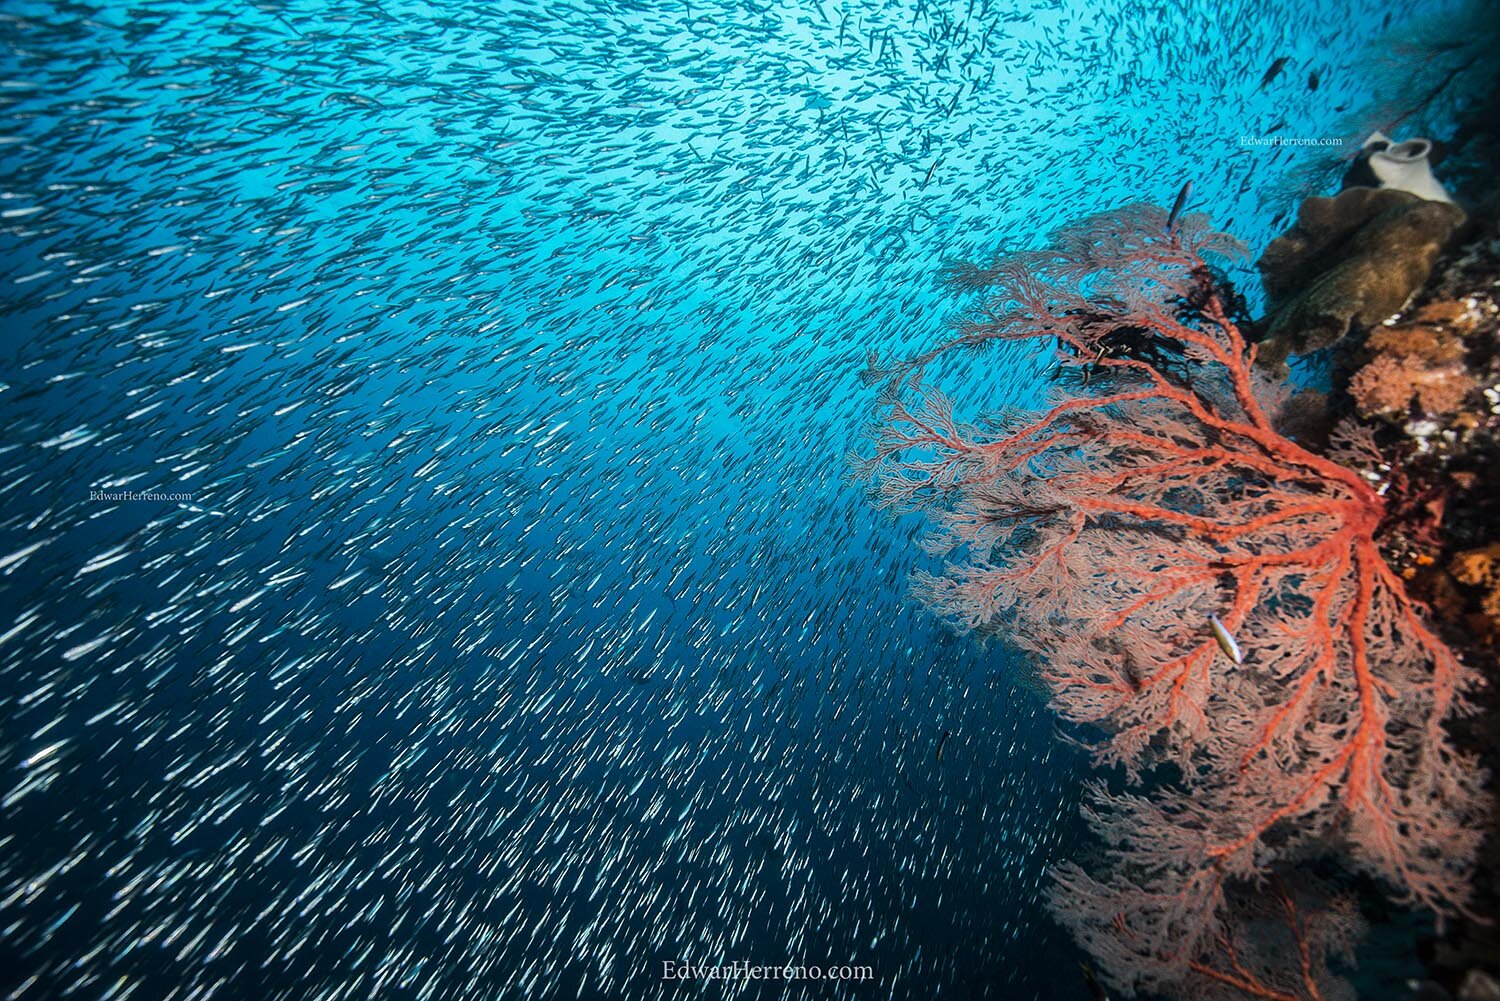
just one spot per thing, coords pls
(1275, 940)
(1108, 535)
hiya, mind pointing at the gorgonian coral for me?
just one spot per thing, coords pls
(1109, 533)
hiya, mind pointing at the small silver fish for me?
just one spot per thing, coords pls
(1226, 640)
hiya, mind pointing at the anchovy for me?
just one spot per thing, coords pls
(483, 407)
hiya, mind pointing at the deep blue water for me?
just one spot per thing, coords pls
(517, 628)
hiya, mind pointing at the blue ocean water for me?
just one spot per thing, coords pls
(499, 619)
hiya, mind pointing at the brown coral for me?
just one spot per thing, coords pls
(1354, 259)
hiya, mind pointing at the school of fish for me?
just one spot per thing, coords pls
(427, 562)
